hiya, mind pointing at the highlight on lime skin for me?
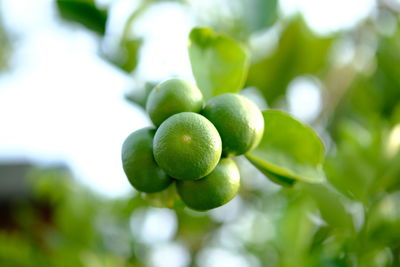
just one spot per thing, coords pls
(186, 139)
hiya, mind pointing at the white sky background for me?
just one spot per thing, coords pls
(62, 103)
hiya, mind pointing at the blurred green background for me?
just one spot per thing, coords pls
(343, 81)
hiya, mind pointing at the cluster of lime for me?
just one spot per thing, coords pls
(192, 144)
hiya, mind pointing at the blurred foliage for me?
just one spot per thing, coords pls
(239, 19)
(127, 54)
(298, 52)
(352, 219)
(139, 96)
(84, 12)
(64, 225)
(259, 14)
(5, 45)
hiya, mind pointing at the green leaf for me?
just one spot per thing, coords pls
(289, 150)
(219, 63)
(83, 12)
(276, 178)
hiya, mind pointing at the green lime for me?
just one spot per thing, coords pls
(238, 120)
(171, 97)
(138, 162)
(187, 146)
(214, 190)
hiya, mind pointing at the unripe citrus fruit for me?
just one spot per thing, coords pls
(187, 146)
(171, 97)
(238, 120)
(214, 190)
(139, 165)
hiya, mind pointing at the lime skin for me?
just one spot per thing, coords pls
(187, 146)
(238, 120)
(212, 191)
(139, 165)
(171, 97)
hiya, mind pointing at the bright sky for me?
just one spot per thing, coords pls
(329, 15)
(61, 103)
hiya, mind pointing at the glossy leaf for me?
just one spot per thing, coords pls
(276, 178)
(289, 149)
(219, 63)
